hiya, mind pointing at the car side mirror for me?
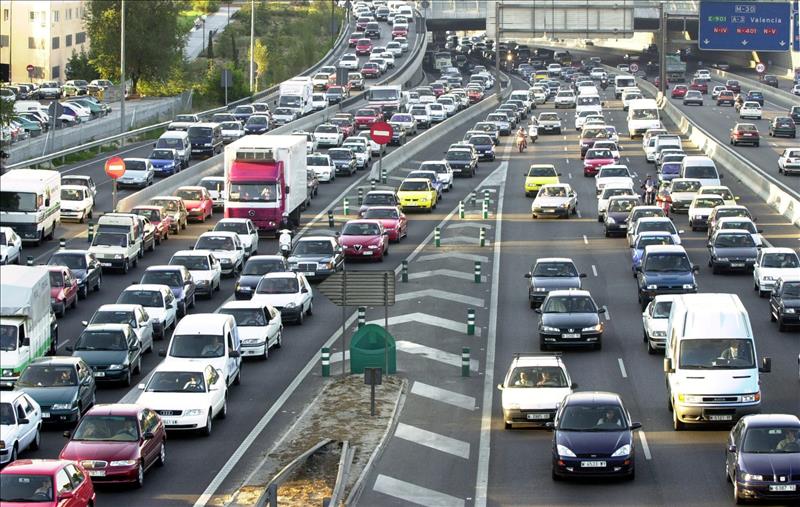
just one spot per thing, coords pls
(766, 365)
(84, 323)
(760, 231)
(709, 244)
(24, 421)
(574, 385)
(500, 387)
(721, 176)
(549, 425)
(234, 353)
(638, 269)
(162, 353)
(668, 367)
(528, 275)
(537, 310)
(695, 269)
(68, 348)
(148, 435)
(636, 425)
(601, 311)
(731, 448)
(141, 386)
(67, 434)
(681, 231)
(66, 495)
(134, 347)
(582, 275)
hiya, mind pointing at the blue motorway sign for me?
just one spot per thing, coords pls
(744, 26)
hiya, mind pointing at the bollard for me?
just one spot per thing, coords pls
(331, 222)
(384, 177)
(346, 206)
(29, 262)
(477, 271)
(360, 196)
(62, 243)
(91, 232)
(372, 185)
(485, 209)
(326, 362)
(473, 197)
(470, 322)
(486, 194)
(461, 209)
(404, 271)
(482, 236)
(362, 316)
(437, 237)
(465, 362)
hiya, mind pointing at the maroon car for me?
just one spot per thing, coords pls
(363, 47)
(394, 221)
(370, 70)
(46, 483)
(118, 443)
(346, 126)
(362, 239)
(158, 217)
(63, 289)
(366, 116)
(595, 159)
(679, 91)
(699, 85)
(354, 38)
(733, 85)
(745, 133)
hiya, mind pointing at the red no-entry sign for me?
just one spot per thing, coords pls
(381, 132)
(115, 167)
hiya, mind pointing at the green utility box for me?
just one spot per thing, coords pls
(368, 349)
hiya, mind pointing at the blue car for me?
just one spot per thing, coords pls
(669, 171)
(646, 239)
(665, 269)
(165, 161)
(484, 145)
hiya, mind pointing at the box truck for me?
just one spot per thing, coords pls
(30, 203)
(296, 94)
(265, 180)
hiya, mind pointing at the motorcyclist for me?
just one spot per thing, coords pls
(648, 189)
(521, 142)
(604, 82)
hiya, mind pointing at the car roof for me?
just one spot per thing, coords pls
(228, 234)
(651, 249)
(654, 219)
(107, 327)
(115, 409)
(247, 304)
(569, 292)
(148, 286)
(56, 360)
(554, 259)
(777, 249)
(280, 274)
(34, 466)
(192, 253)
(119, 307)
(769, 420)
(9, 396)
(592, 398)
(165, 267)
(525, 359)
(67, 251)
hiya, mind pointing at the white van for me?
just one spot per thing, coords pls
(643, 114)
(622, 82)
(701, 168)
(208, 338)
(30, 203)
(177, 140)
(124, 223)
(710, 361)
(587, 102)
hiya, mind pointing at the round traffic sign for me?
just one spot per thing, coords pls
(381, 132)
(29, 68)
(115, 167)
(634, 67)
(760, 67)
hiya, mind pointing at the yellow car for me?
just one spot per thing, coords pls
(417, 193)
(538, 176)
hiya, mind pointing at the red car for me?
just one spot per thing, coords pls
(354, 38)
(346, 126)
(438, 89)
(199, 204)
(118, 443)
(399, 31)
(367, 116)
(361, 23)
(726, 97)
(394, 221)
(474, 95)
(745, 133)
(63, 289)
(158, 217)
(679, 91)
(363, 47)
(364, 239)
(595, 159)
(46, 483)
(699, 85)
(733, 85)
(370, 70)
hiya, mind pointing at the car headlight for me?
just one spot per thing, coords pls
(597, 327)
(7, 372)
(565, 205)
(688, 286)
(61, 406)
(291, 305)
(423, 199)
(540, 289)
(253, 341)
(750, 398)
(116, 367)
(207, 144)
(513, 406)
(611, 221)
(243, 288)
(118, 256)
(688, 398)
(752, 477)
(564, 451)
(723, 259)
(652, 287)
(659, 334)
(622, 451)
(192, 412)
(789, 310)
(548, 329)
(330, 265)
(123, 463)
(372, 247)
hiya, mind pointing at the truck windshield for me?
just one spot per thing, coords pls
(110, 239)
(249, 192)
(715, 353)
(199, 133)
(8, 337)
(383, 94)
(17, 201)
(292, 101)
(644, 114)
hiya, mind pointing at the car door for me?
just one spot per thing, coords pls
(146, 328)
(233, 362)
(81, 488)
(188, 286)
(26, 422)
(273, 325)
(86, 386)
(216, 270)
(171, 306)
(135, 348)
(251, 230)
(92, 270)
(149, 447)
(216, 389)
(305, 292)
(734, 439)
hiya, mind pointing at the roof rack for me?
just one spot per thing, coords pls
(536, 354)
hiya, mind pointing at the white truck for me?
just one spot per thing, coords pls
(643, 115)
(390, 98)
(30, 203)
(297, 93)
(265, 181)
(28, 327)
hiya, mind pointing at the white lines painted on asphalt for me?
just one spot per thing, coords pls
(570, 175)
(645, 446)
(442, 272)
(585, 240)
(565, 148)
(594, 270)
(461, 225)
(443, 395)
(454, 255)
(578, 213)
(433, 440)
(413, 493)
(607, 315)
(462, 240)
(622, 368)
(433, 354)
(429, 320)
(441, 294)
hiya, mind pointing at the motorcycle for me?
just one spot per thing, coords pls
(604, 84)
(649, 194)
(285, 243)
(521, 143)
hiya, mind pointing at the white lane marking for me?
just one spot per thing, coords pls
(427, 319)
(414, 494)
(628, 159)
(443, 395)
(608, 313)
(622, 368)
(454, 255)
(570, 175)
(441, 294)
(565, 138)
(568, 161)
(442, 272)
(565, 148)
(578, 213)
(594, 270)
(433, 440)
(645, 446)
(585, 240)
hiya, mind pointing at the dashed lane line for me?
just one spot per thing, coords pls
(433, 440)
(622, 369)
(414, 494)
(645, 446)
(434, 393)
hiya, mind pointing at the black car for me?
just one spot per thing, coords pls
(64, 387)
(83, 265)
(782, 126)
(243, 113)
(399, 134)
(256, 267)
(317, 257)
(784, 303)
(755, 97)
(762, 456)
(111, 350)
(256, 124)
(551, 273)
(770, 80)
(372, 30)
(617, 212)
(462, 162)
(484, 145)
(206, 139)
(794, 114)
(593, 437)
(570, 318)
(335, 94)
(178, 279)
(733, 85)
(732, 250)
(344, 161)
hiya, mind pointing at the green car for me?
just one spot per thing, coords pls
(31, 127)
(96, 107)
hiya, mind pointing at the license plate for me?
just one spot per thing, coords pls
(45, 415)
(623, 226)
(783, 487)
(170, 422)
(571, 335)
(737, 264)
(720, 418)
(593, 464)
(105, 264)
(308, 273)
(367, 253)
(97, 473)
(99, 374)
(538, 416)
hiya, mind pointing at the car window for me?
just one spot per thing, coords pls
(63, 483)
(75, 475)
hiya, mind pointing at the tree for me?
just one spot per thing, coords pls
(153, 43)
(79, 66)
(210, 48)
(207, 6)
(6, 111)
(261, 59)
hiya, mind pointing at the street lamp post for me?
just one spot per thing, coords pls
(252, 44)
(203, 19)
(122, 73)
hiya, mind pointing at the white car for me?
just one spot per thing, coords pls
(395, 48)
(750, 109)
(20, 424)
(227, 247)
(556, 199)
(655, 320)
(796, 89)
(362, 153)
(662, 224)
(134, 316)
(76, 203)
(629, 95)
(311, 141)
(612, 189)
(382, 64)
(319, 101)
(420, 114)
(328, 134)
(715, 91)
(651, 133)
(322, 166)
(186, 395)
(388, 57)
(157, 300)
(246, 230)
(565, 98)
(216, 189)
(533, 389)
(598, 73)
(622, 67)
(289, 292)
(773, 264)
(348, 61)
(231, 131)
(789, 161)
(444, 173)
(609, 145)
(613, 173)
(81, 180)
(583, 116)
(377, 149)
(703, 74)
(721, 190)
(741, 223)
(436, 112)
(10, 246)
(139, 172)
(260, 326)
(284, 115)
(701, 207)
(204, 267)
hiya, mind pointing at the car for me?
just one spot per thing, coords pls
(716, 90)
(744, 133)
(750, 109)
(46, 483)
(484, 145)
(622, 189)
(354, 37)
(782, 126)
(63, 289)
(344, 161)
(643, 240)
(364, 238)
(10, 246)
(724, 192)
(784, 302)
(593, 437)
(178, 279)
(328, 134)
(612, 174)
(732, 250)
(693, 97)
(533, 388)
(617, 210)
(322, 166)
(701, 208)
(175, 209)
(595, 159)
(569, 318)
(83, 267)
(733, 85)
(120, 442)
(256, 267)
(393, 220)
(796, 89)
(216, 189)
(113, 351)
(417, 193)
(551, 273)
(139, 172)
(355, 81)
(134, 315)
(159, 303)
(682, 192)
(77, 203)
(700, 85)
(316, 256)
(565, 98)
(284, 115)
(243, 113)
(225, 246)
(257, 124)
(20, 425)
(288, 292)
(198, 202)
(204, 267)
(652, 223)
(431, 176)
(319, 101)
(743, 222)
(789, 161)
(558, 200)
(378, 198)
(165, 161)
(773, 264)
(539, 175)
(770, 80)
(348, 61)
(80, 180)
(726, 97)
(405, 121)
(365, 117)
(664, 269)
(158, 218)
(655, 321)
(370, 70)
(462, 160)
(761, 456)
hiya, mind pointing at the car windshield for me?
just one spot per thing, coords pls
(655, 225)
(189, 195)
(46, 375)
(599, 154)
(378, 213)
(278, 285)
(71, 194)
(644, 241)
(191, 262)
(746, 225)
(667, 262)
(95, 339)
(707, 202)
(258, 267)
(25, 488)
(222, 243)
(569, 304)
(552, 192)
(135, 165)
(116, 428)
(537, 376)
(402, 118)
(199, 133)
(317, 161)
(230, 125)
(176, 382)
(686, 186)
(791, 290)
(340, 154)
(361, 229)
(458, 155)
(313, 247)
(162, 154)
(197, 345)
(170, 142)
(168, 278)
(557, 269)
(481, 140)
(379, 199)
(246, 316)
(592, 418)
(153, 215)
(734, 241)
(774, 440)
(715, 353)
(167, 204)
(780, 260)
(625, 205)
(110, 239)
(613, 172)
(212, 185)
(594, 133)
(258, 120)
(700, 172)
(414, 186)
(185, 118)
(146, 298)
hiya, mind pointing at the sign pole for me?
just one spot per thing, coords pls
(386, 322)
(114, 196)
(662, 54)
(344, 313)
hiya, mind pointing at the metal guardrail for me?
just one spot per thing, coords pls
(270, 494)
(142, 130)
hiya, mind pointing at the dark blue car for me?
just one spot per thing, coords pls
(484, 145)
(166, 162)
(593, 437)
(644, 239)
(665, 269)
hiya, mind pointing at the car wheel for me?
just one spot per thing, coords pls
(181, 310)
(191, 305)
(300, 318)
(650, 348)
(37, 440)
(279, 340)
(127, 380)
(125, 267)
(781, 326)
(84, 292)
(207, 430)
(224, 412)
(772, 316)
(238, 378)
(74, 304)
(162, 455)
(554, 475)
(737, 498)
